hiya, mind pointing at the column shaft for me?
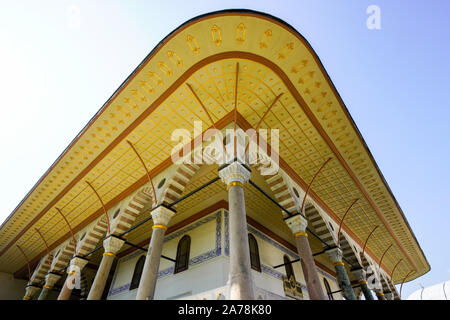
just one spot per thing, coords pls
(73, 277)
(65, 292)
(112, 245)
(344, 281)
(298, 224)
(309, 268)
(366, 291)
(147, 285)
(161, 216)
(44, 293)
(101, 276)
(241, 280)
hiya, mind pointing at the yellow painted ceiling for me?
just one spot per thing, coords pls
(313, 122)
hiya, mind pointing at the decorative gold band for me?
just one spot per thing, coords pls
(338, 264)
(47, 287)
(26, 298)
(380, 294)
(301, 233)
(159, 226)
(234, 183)
(109, 254)
(363, 282)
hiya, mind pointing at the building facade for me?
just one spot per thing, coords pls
(226, 166)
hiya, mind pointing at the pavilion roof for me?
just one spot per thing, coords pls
(154, 100)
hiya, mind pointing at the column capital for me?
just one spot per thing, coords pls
(51, 279)
(30, 291)
(359, 274)
(112, 245)
(297, 224)
(161, 216)
(77, 262)
(335, 254)
(234, 173)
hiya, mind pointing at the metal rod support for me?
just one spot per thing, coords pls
(193, 192)
(146, 170)
(269, 197)
(310, 184)
(103, 205)
(297, 260)
(342, 221)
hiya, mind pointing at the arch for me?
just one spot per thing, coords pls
(385, 283)
(280, 188)
(328, 289)
(321, 226)
(255, 261)
(131, 210)
(183, 251)
(137, 273)
(92, 237)
(62, 259)
(348, 251)
(41, 269)
(177, 183)
(288, 267)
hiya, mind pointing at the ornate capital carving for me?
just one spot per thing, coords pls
(359, 274)
(297, 224)
(51, 279)
(77, 262)
(234, 172)
(161, 216)
(31, 290)
(113, 244)
(335, 255)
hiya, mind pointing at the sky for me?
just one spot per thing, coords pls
(61, 60)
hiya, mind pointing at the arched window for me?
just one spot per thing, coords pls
(182, 260)
(137, 273)
(328, 288)
(288, 267)
(254, 253)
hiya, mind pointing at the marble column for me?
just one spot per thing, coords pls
(50, 280)
(360, 275)
(335, 255)
(30, 292)
(112, 245)
(234, 175)
(161, 216)
(73, 277)
(380, 295)
(298, 224)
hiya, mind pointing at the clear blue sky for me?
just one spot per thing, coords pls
(54, 76)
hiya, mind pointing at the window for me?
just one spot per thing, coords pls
(254, 253)
(288, 267)
(327, 286)
(182, 261)
(137, 273)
